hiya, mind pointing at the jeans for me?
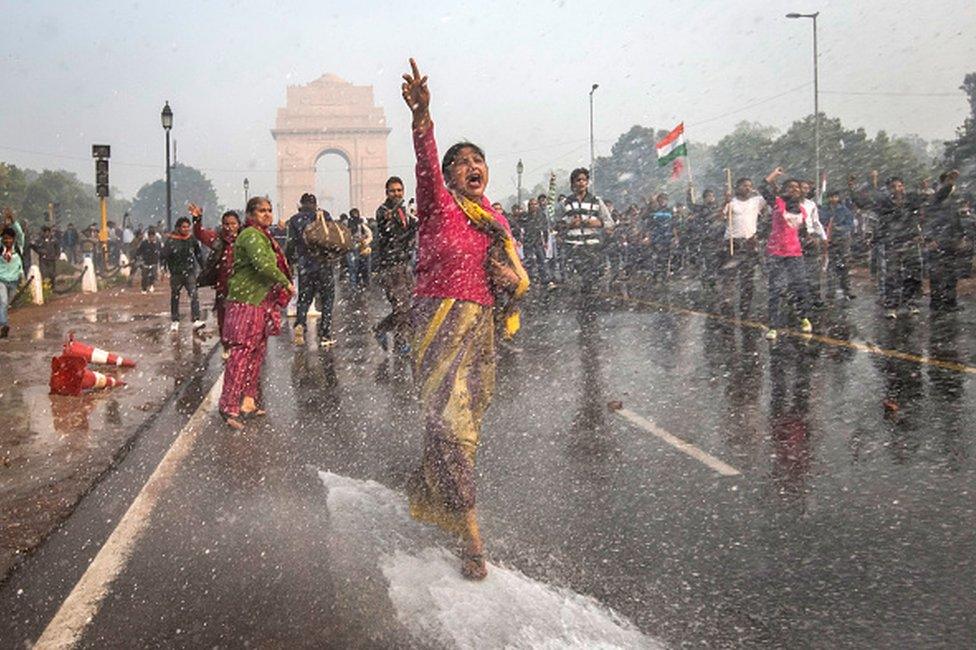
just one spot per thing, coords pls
(7, 292)
(358, 266)
(787, 278)
(316, 281)
(839, 253)
(176, 284)
(148, 276)
(397, 282)
(535, 254)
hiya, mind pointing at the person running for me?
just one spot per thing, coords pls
(581, 228)
(454, 351)
(259, 286)
(396, 241)
(48, 250)
(11, 272)
(221, 245)
(785, 253)
(660, 226)
(316, 274)
(182, 255)
(149, 254)
(840, 235)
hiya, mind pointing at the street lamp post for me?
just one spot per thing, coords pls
(247, 186)
(592, 174)
(816, 102)
(519, 168)
(167, 119)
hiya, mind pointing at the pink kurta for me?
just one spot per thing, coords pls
(451, 252)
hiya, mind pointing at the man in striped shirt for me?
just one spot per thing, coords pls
(582, 228)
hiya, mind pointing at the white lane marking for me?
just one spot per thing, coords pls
(679, 444)
(82, 604)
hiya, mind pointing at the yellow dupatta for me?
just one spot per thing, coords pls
(506, 298)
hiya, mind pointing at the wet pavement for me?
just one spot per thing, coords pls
(849, 525)
(54, 448)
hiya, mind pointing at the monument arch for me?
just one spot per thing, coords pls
(330, 116)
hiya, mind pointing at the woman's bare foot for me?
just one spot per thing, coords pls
(473, 566)
(233, 421)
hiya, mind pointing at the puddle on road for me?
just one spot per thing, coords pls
(373, 541)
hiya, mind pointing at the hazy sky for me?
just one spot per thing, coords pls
(512, 76)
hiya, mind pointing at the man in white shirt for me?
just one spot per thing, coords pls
(814, 244)
(742, 258)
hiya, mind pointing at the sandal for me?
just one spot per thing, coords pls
(473, 566)
(232, 420)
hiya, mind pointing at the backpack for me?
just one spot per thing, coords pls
(327, 239)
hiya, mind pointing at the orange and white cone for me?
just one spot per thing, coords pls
(71, 375)
(73, 348)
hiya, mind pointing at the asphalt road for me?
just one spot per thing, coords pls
(847, 522)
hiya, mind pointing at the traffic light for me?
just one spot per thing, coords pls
(101, 177)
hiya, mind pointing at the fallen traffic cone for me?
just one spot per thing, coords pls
(73, 348)
(71, 375)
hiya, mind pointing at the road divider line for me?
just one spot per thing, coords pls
(82, 604)
(859, 346)
(685, 447)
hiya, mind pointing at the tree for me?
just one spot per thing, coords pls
(961, 153)
(189, 184)
(13, 186)
(747, 151)
(630, 173)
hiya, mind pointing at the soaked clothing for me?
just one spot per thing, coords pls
(252, 313)
(454, 371)
(451, 251)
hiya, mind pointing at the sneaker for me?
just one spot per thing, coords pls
(913, 310)
(805, 326)
(552, 285)
(144, 292)
(326, 343)
(174, 326)
(891, 314)
(851, 296)
(770, 335)
(152, 288)
(299, 337)
(199, 324)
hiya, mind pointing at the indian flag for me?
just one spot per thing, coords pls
(672, 146)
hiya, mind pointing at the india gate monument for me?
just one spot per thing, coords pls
(330, 116)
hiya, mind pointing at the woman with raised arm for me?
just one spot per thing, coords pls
(453, 319)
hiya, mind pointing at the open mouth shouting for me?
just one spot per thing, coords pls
(474, 181)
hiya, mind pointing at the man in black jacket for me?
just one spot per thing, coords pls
(394, 242)
(899, 230)
(48, 250)
(316, 275)
(945, 237)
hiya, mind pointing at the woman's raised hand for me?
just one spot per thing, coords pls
(416, 94)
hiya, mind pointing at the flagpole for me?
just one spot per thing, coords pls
(691, 177)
